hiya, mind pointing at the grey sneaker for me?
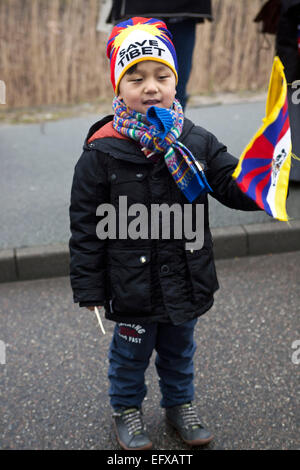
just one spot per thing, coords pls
(185, 420)
(130, 429)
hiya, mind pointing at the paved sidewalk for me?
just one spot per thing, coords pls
(54, 382)
(37, 163)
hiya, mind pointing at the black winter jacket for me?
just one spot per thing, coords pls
(124, 9)
(144, 280)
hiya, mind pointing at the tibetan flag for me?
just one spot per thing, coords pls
(264, 166)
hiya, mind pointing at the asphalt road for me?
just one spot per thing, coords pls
(53, 384)
(37, 163)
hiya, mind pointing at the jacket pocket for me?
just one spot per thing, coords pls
(129, 281)
(129, 183)
(202, 272)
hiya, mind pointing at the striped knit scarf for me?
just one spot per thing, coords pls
(158, 132)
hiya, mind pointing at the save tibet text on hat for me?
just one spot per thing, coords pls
(137, 49)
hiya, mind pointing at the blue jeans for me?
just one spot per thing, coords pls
(129, 354)
(184, 35)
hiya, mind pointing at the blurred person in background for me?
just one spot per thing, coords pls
(282, 18)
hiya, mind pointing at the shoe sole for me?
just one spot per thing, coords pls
(196, 442)
(146, 447)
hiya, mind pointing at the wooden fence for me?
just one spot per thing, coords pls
(51, 53)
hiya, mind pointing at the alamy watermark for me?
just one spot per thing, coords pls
(160, 222)
(296, 94)
(2, 92)
(296, 354)
(2, 352)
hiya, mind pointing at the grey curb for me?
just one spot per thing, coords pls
(256, 239)
(36, 262)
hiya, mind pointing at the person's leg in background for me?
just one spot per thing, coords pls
(294, 116)
(184, 35)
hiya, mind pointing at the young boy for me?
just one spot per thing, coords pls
(154, 287)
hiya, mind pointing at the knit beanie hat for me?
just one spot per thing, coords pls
(139, 39)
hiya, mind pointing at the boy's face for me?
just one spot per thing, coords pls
(151, 84)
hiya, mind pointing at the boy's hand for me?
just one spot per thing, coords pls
(92, 308)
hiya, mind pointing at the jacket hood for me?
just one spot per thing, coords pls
(106, 130)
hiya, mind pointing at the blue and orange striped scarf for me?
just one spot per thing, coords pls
(158, 132)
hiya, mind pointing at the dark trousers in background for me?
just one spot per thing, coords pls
(184, 35)
(130, 351)
(294, 115)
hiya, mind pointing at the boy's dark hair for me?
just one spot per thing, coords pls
(132, 69)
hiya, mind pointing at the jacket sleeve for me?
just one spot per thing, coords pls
(87, 251)
(221, 165)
